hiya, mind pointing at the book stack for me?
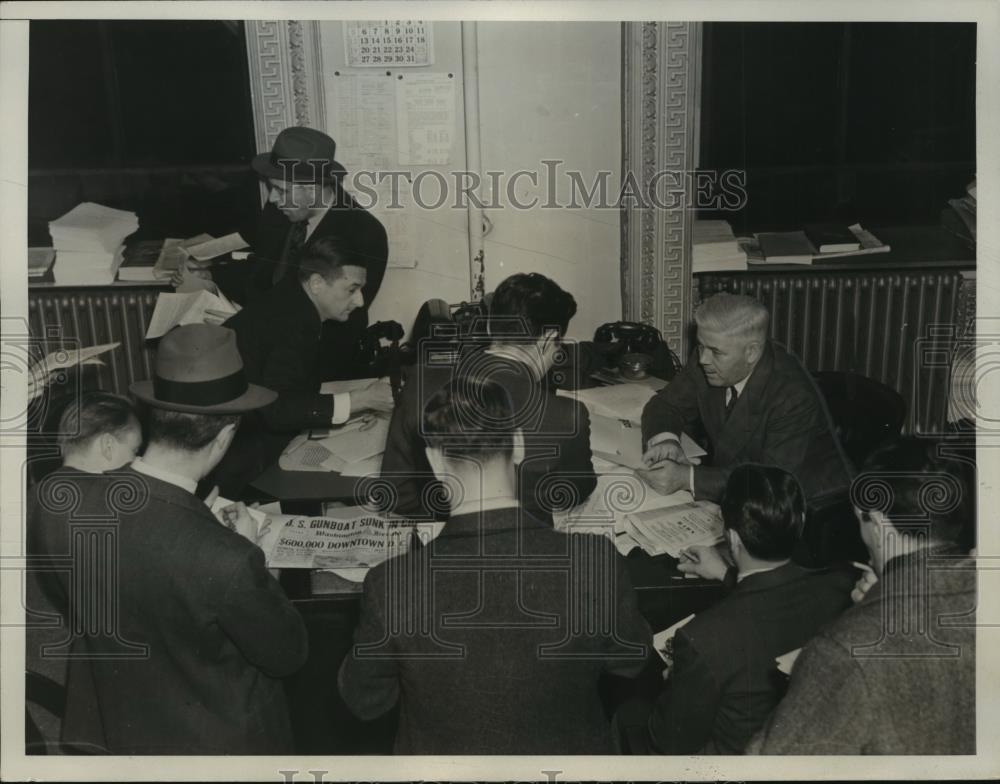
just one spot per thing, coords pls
(88, 243)
(815, 243)
(139, 261)
(715, 248)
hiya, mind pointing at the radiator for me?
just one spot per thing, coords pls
(878, 324)
(68, 318)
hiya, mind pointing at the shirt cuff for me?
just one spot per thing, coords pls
(341, 408)
(659, 438)
(691, 480)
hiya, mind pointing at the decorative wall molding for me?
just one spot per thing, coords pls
(661, 71)
(286, 76)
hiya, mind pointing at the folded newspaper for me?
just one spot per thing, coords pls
(190, 308)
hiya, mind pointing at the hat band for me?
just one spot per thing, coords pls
(318, 169)
(201, 393)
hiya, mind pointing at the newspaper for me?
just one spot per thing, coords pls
(660, 531)
(189, 308)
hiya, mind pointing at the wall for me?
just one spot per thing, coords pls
(550, 91)
(547, 91)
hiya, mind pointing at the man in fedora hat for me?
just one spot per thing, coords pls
(197, 632)
(306, 203)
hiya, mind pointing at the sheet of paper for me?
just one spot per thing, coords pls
(370, 466)
(425, 119)
(363, 109)
(786, 661)
(618, 401)
(381, 43)
(671, 530)
(216, 247)
(358, 443)
(66, 358)
(350, 385)
(174, 309)
(662, 640)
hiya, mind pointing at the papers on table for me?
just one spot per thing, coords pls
(617, 401)
(620, 441)
(189, 308)
(209, 247)
(88, 244)
(352, 449)
(671, 530)
(39, 261)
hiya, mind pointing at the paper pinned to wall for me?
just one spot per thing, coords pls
(364, 120)
(377, 43)
(425, 118)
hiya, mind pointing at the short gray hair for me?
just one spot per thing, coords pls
(734, 314)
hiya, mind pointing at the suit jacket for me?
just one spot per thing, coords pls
(780, 419)
(557, 471)
(280, 342)
(487, 639)
(200, 633)
(723, 686)
(251, 280)
(871, 683)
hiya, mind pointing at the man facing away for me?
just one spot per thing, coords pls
(98, 432)
(895, 674)
(492, 637)
(529, 315)
(280, 341)
(722, 684)
(191, 632)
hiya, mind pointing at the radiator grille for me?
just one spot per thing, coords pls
(873, 324)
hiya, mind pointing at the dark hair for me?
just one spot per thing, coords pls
(327, 257)
(93, 414)
(912, 485)
(766, 507)
(188, 432)
(471, 417)
(528, 304)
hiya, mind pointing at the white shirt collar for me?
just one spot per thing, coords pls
(740, 385)
(741, 575)
(170, 477)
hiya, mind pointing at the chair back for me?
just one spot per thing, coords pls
(865, 412)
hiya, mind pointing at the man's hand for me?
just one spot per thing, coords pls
(703, 560)
(377, 396)
(865, 582)
(665, 450)
(237, 518)
(189, 268)
(668, 477)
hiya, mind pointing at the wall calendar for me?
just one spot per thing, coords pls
(387, 42)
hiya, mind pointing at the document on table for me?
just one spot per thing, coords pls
(190, 308)
(618, 401)
(671, 530)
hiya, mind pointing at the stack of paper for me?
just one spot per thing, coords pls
(715, 247)
(88, 243)
(352, 449)
(672, 529)
(39, 261)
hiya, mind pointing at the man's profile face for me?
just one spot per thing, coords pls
(337, 299)
(724, 357)
(295, 200)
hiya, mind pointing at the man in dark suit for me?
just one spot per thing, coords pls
(895, 674)
(755, 403)
(723, 684)
(180, 633)
(279, 339)
(529, 315)
(307, 203)
(493, 636)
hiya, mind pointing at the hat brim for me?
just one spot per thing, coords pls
(255, 397)
(263, 165)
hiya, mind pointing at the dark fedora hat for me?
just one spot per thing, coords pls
(302, 155)
(198, 370)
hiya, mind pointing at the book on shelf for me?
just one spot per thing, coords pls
(39, 261)
(786, 247)
(868, 243)
(831, 238)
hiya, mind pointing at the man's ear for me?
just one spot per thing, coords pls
(107, 444)
(517, 452)
(224, 438)
(753, 351)
(735, 542)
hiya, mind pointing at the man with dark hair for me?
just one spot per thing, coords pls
(189, 660)
(895, 674)
(279, 338)
(99, 432)
(529, 315)
(478, 634)
(722, 684)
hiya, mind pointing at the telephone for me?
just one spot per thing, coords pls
(615, 340)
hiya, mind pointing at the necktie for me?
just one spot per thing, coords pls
(293, 246)
(731, 391)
